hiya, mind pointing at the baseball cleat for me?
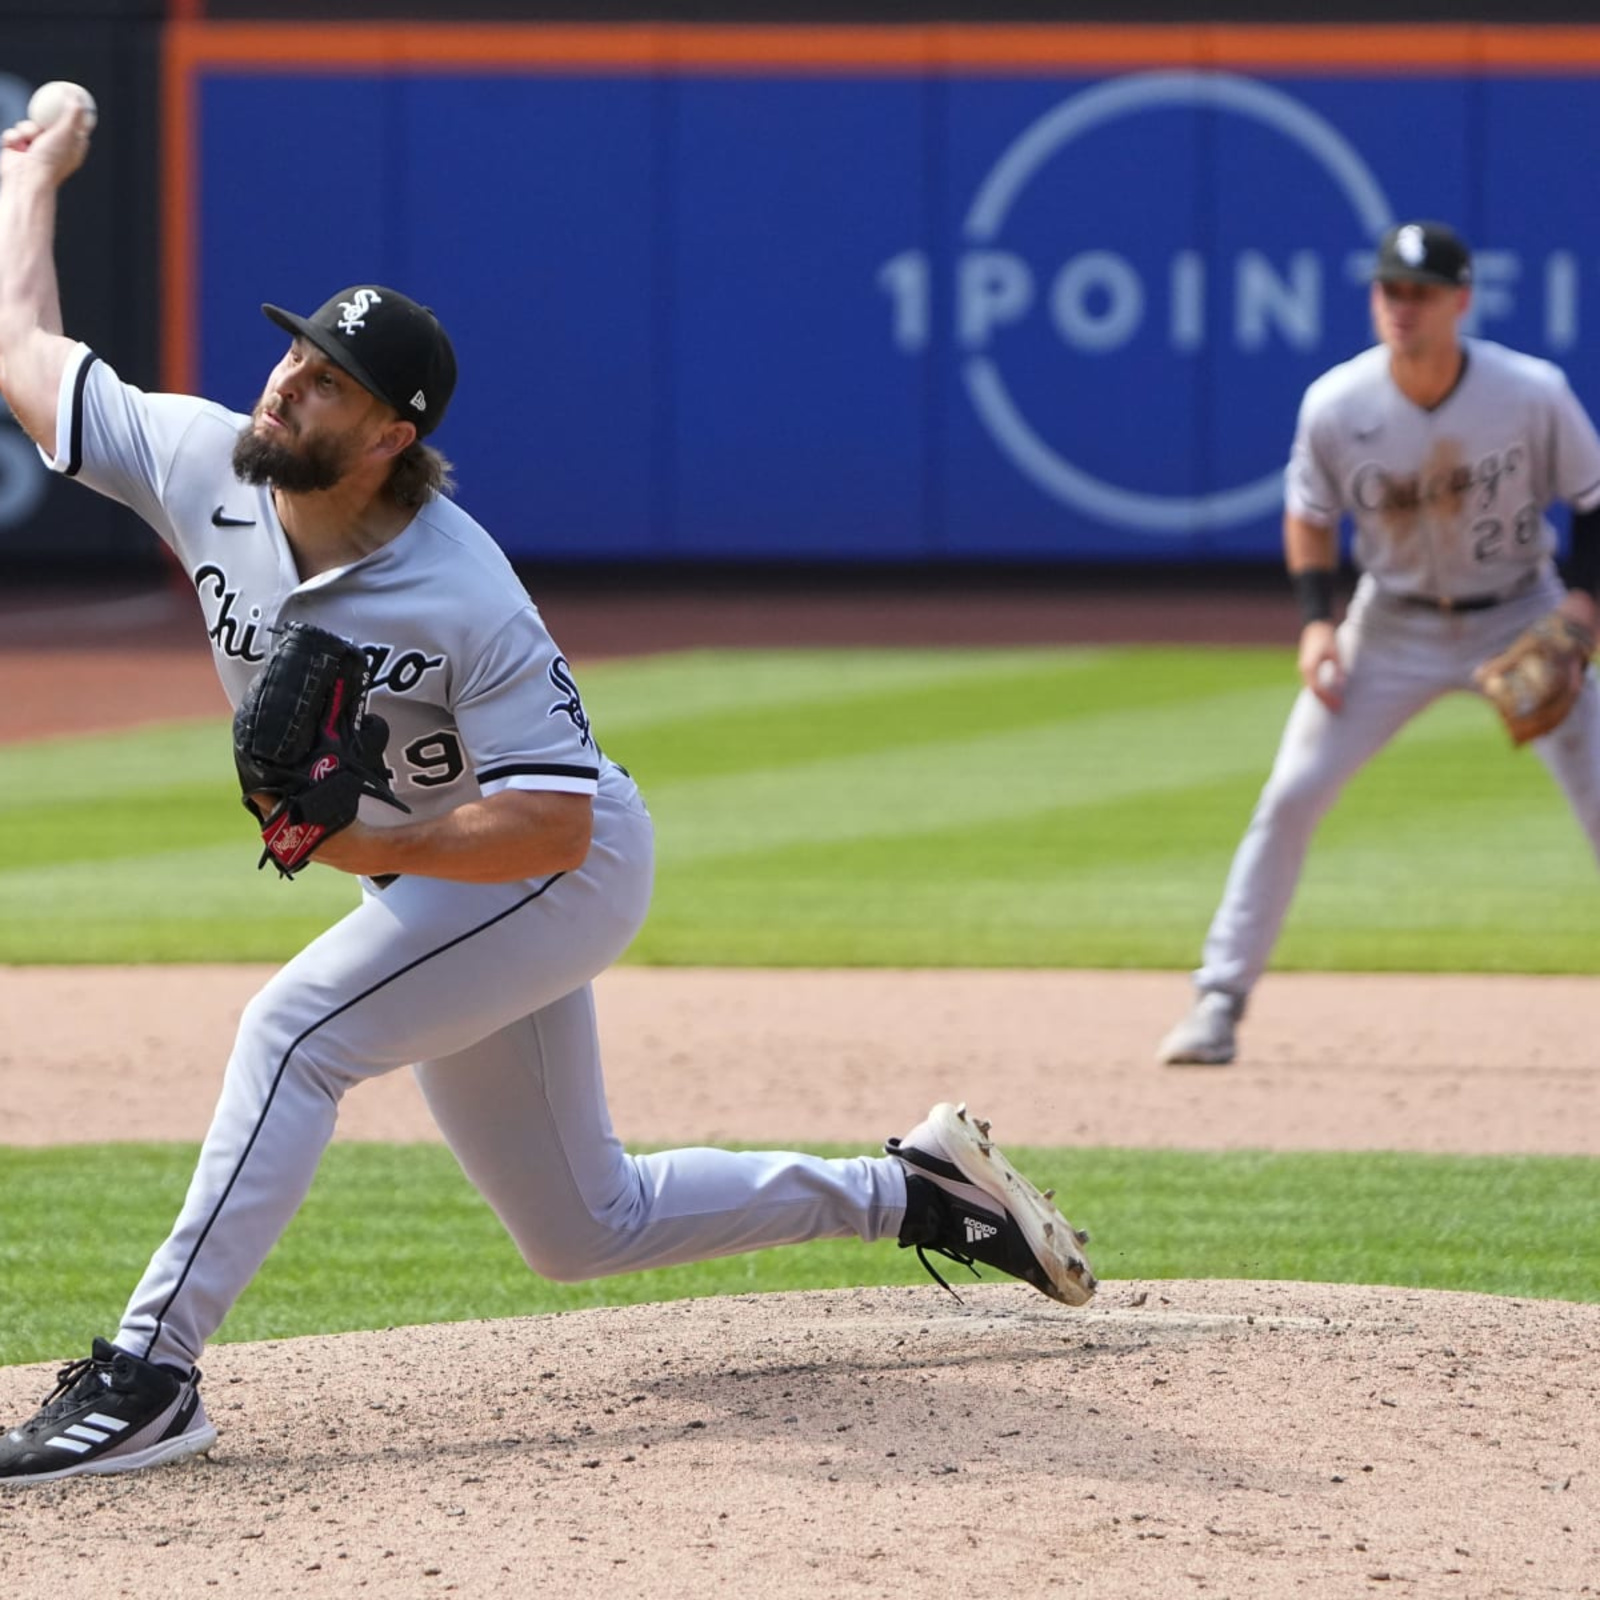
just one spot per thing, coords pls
(110, 1412)
(966, 1202)
(1205, 1038)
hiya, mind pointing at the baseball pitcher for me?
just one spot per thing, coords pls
(403, 715)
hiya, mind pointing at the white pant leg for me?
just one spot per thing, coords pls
(525, 1113)
(421, 971)
(1395, 669)
(1571, 752)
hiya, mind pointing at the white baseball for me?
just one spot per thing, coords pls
(53, 100)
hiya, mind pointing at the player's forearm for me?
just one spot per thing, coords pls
(30, 301)
(504, 838)
(30, 294)
(1308, 547)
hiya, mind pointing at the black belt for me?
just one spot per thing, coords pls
(1450, 604)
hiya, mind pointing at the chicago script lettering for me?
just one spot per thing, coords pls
(239, 637)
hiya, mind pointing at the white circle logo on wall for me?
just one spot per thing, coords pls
(1097, 299)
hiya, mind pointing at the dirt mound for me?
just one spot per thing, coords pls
(1174, 1438)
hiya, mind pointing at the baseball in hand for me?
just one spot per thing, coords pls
(52, 101)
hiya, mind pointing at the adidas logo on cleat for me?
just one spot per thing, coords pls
(978, 1231)
(91, 1430)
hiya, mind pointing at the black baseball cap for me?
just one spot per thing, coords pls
(1423, 252)
(390, 345)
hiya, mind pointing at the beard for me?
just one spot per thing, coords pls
(318, 465)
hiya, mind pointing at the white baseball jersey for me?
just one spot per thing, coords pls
(1448, 503)
(475, 693)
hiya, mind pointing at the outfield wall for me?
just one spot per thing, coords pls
(907, 294)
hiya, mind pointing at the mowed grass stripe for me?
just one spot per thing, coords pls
(658, 698)
(995, 698)
(655, 692)
(970, 777)
(112, 770)
(1033, 808)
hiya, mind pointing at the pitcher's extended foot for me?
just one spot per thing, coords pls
(966, 1202)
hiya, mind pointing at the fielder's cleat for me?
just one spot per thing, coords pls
(110, 1412)
(1205, 1037)
(966, 1202)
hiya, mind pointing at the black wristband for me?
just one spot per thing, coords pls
(1313, 588)
(1583, 560)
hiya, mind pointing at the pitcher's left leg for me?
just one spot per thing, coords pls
(525, 1113)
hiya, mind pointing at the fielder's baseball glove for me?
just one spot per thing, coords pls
(304, 741)
(1535, 681)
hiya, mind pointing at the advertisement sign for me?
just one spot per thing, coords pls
(720, 298)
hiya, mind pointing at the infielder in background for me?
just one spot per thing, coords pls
(1444, 452)
(523, 869)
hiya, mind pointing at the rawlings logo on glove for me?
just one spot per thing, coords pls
(303, 739)
(1536, 680)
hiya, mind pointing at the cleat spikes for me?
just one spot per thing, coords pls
(966, 1203)
(1049, 1194)
(1082, 1235)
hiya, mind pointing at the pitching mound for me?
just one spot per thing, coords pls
(1175, 1438)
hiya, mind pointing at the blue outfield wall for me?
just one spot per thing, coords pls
(899, 317)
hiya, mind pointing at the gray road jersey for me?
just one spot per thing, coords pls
(476, 694)
(1448, 502)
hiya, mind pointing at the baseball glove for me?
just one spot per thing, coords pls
(305, 745)
(1535, 681)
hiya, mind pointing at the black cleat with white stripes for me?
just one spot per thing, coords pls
(110, 1412)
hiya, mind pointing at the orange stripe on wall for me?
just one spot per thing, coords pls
(489, 47)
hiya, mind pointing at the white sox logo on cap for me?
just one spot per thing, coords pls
(353, 313)
(1409, 245)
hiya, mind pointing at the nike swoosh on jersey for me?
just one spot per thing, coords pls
(220, 520)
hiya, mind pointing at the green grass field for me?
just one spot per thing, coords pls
(990, 808)
(354, 1258)
(1073, 808)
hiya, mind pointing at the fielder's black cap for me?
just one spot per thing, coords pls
(1423, 252)
(390, 345)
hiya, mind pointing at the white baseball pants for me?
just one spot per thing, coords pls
(1398, 659)
(487, 989)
